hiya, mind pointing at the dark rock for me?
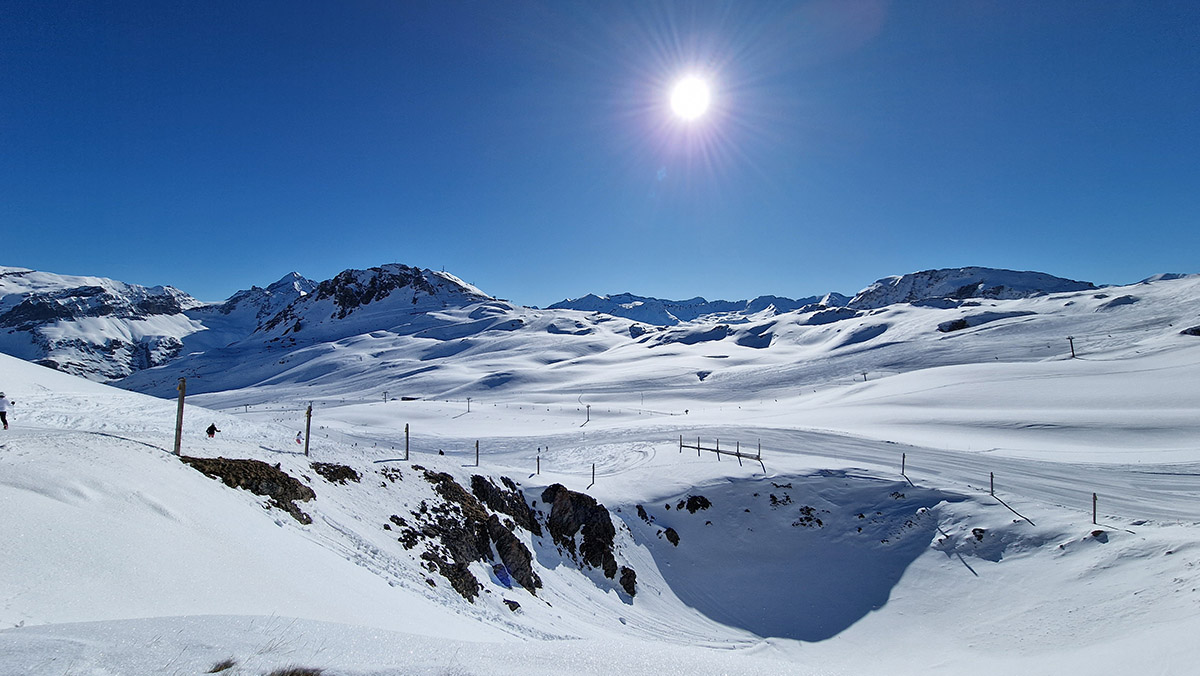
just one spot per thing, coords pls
(457, 573)
(978, 533)
(628, 581)
(512, 605)
(509, 500)
(643, 515)
(672, 536)
(336, 474)
(514, 554)
(695, 503)
(572, 513)
(259, 478)
(1193, 331)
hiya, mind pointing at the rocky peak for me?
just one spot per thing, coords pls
(962, 283)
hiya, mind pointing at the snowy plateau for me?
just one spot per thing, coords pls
(953, 471)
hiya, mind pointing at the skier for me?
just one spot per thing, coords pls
(4, 404)
(212, 430)
(299, 437)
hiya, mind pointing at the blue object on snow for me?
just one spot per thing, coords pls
(502, 575)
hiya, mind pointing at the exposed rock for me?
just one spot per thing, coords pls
(694, 503)
(259, 478)
(514, 554)
(457, 573)
(641, 512)
(628, 581)
(510, 501)
(512, 605)
(572, 513)
(671, 536)
(1193, 331)
(334, 473)
(459, 531)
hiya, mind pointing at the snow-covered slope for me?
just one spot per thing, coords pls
(824, 559)
(958, 284)
(661, 312)
(491, 349)
(244, 312)
(91, 326)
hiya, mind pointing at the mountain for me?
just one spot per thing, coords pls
(91, 326)
(958, 284)
(661, 312)
(104, 329)
(244, 312)
(361, 301)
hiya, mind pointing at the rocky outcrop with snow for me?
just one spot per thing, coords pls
(360, 301)
(91, 326)
(961, 284)
(661, 312)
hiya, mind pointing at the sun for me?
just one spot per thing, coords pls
(690, 97)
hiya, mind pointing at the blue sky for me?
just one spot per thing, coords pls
(529, 147)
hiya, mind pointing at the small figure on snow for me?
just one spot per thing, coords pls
(212, 430)
(4, 404)
(299, 437)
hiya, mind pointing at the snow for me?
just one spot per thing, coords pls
(121, 560)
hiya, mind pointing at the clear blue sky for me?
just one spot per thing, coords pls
(529, 147)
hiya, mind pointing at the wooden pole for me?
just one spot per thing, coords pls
(681, 443)
(182, 387)
(992, 482)
(406, 441)
(1071, 340)
(476, 452)
(718, 450)
(903, 461)
(539, 463)
(307, 427)
(739, 453)
(697, 447)
(1093, 509)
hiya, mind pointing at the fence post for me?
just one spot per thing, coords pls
(681, 443)
(539, 463)
(697, 447)
(1093, 509)
(903, 462)
(476, 452)
(182, 387)
(992, 483)
(406, 441)
(718, 450)
(307, 427)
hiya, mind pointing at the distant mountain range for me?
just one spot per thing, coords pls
(107, 330)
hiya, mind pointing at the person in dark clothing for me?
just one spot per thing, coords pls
(212, 430)
(4, 404)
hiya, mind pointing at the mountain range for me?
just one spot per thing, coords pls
(419, 320)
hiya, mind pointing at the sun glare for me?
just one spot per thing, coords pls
(690, 97)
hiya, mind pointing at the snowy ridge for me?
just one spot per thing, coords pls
(661, 312)
(91, 326)
(962, 284)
